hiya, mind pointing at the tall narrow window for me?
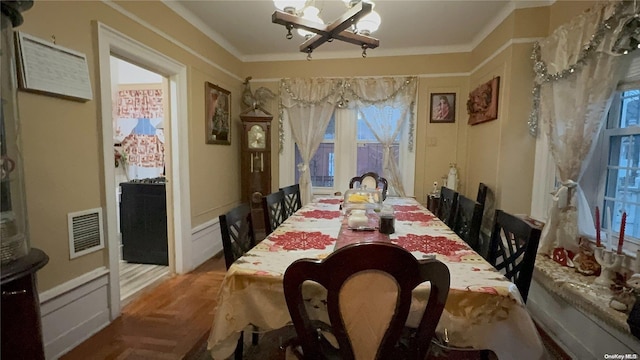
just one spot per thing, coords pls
(370, 150)
(322, 164)
(622, 191)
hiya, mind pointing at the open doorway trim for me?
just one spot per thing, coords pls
(111, 42)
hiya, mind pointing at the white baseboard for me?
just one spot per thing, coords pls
(73, 311)
(206, 241)
(581, 335)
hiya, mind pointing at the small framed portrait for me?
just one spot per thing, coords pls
(443, 108)
(217, 114)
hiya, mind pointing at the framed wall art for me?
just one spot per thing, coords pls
(483, 102)
(218, 114)
(443, 108)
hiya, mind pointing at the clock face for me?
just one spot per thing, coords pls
(257, 137)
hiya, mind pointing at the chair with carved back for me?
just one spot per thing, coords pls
(292, 199)
(370, 180)
(236, 228)
(513, 248)
(468, 220)
(369, 287)
(274, 209)
(447, 205)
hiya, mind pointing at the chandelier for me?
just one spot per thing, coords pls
(354, 26)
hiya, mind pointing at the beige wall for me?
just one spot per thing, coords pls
(62, 139)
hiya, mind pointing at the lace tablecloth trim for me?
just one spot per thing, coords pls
(579, 291)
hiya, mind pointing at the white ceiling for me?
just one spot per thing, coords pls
(414, 27)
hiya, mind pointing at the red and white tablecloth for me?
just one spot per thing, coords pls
(484, 310)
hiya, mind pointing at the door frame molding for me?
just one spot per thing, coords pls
(110, 42)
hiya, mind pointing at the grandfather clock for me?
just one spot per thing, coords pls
(256, 163)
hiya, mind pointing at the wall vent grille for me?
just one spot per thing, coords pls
(85, 232)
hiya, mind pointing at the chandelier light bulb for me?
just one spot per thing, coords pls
(310, 13)
(289, 6)
(369, 23)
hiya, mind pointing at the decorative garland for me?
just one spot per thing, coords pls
(542, 73)
(343, 87)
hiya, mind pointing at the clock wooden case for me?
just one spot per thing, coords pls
(256, 163)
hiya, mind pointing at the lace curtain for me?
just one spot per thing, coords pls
(309, 104)
(573, 104)
(376, 100)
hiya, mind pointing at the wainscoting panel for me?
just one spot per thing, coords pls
(206, 242)
(73, 311)
(79, 308)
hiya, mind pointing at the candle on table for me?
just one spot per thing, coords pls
(621, 238)
(598, 243)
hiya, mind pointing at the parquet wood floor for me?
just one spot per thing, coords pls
(163, 323)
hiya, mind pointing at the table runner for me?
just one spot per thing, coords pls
(484, 310)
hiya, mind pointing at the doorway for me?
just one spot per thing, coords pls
(139, 149)
(113, 43)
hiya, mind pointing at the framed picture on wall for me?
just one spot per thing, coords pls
(217, 114)
(483, 102)
(443, 108)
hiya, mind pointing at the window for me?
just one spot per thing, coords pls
(622, 151)
(349, 148)
(369, 157)
(322, 165)
(611, 179)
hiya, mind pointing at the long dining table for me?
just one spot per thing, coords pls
(484, 310)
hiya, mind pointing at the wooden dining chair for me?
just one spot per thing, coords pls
(236, 228)
(447, 205)
(369, 289)
(292, 199)
(274, 209)
(370, 180)
(467, 221)
(513, 248)
(481, 198)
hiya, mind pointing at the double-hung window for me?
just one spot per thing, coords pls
(621, 147)
(612, 178)
(350, 148)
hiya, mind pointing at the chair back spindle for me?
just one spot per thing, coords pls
(275, 213)
(292, 199)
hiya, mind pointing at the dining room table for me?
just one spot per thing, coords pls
(484, 310)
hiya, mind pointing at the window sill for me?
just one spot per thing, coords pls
(579, 291)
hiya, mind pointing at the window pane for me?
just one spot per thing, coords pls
(321, 166)
(330, 134)
(370, 157)
(622, 192)
(392, 116)
(630, 108)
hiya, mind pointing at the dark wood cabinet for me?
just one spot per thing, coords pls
(143, 223)
(256, 163)
(21, 322)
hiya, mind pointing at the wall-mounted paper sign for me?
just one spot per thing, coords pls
(46, 68)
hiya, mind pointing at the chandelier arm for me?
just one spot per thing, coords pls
(336, 30)
(346, 36)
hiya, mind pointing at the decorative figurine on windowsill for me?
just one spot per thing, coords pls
(624, 289)
(585, 262)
